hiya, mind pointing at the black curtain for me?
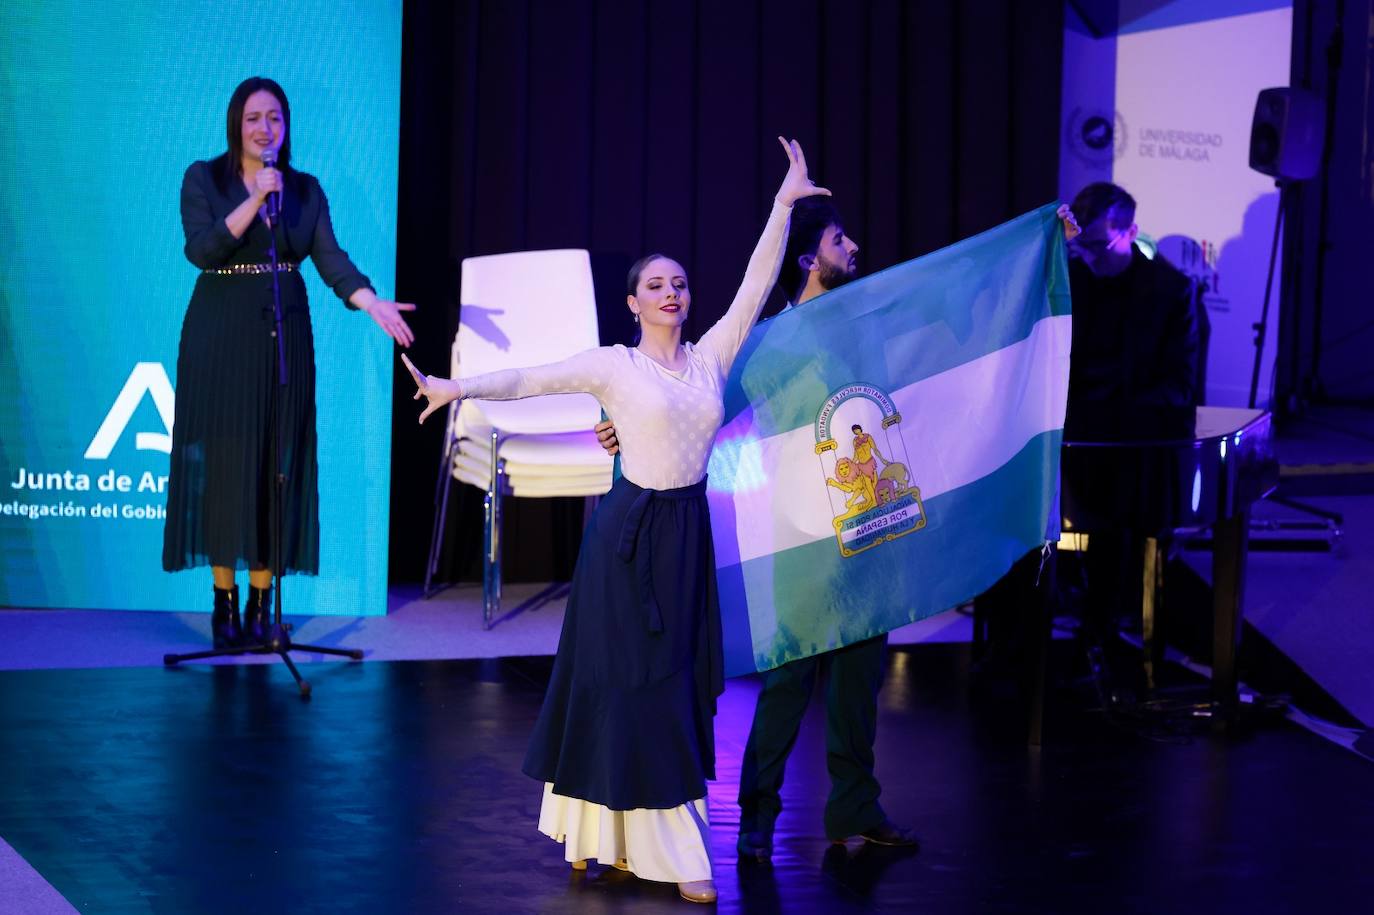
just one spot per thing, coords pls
(626, 127)
(1326, 325)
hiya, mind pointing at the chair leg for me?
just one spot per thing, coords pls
(500, 515)
(442, 486)
(491, 552)
(488, 522)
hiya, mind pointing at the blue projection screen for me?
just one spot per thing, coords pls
(104, 109)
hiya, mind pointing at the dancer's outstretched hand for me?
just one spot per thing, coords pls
(440, 391)
(797, 184)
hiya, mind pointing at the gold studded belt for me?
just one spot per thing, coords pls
(242, 269)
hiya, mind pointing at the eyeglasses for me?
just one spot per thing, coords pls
(1095, 245)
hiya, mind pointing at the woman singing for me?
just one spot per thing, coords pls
(221, 480)
(625, 741)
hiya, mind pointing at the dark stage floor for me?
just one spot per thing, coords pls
(397, 789)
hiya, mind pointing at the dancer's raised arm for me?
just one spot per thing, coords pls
(725, 338)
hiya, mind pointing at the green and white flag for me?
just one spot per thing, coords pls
(892, 447)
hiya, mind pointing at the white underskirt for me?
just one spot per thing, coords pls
(666, 845)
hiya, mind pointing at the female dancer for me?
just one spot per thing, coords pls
(625, 743)
(227, 394)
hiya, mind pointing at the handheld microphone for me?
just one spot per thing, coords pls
(269, 160)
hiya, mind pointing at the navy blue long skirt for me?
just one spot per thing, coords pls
(628, 719)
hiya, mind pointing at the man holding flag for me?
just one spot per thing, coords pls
(820, 257)
(971, 343)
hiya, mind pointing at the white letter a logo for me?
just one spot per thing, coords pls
(146, 378)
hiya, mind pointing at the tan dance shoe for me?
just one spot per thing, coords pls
(580, 865)
(698, 891)
(622, 865)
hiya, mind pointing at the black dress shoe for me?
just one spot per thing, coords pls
(224, 621)
(891, 835)
(755, 845)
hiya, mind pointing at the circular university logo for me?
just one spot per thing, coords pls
(1095, 136)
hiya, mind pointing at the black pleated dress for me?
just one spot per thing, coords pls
(220, 485)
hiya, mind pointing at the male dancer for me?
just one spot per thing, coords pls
(820, 257)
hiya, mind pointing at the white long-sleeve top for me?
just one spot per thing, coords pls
(665, 421)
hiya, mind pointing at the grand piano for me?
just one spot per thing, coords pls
(1153, 475)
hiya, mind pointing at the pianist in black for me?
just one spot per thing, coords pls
(1133, 372)
(1132, 377)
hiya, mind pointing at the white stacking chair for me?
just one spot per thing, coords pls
(519, 309)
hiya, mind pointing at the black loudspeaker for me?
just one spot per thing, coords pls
(1286, 135)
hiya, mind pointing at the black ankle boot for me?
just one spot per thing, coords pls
(257, 615)
(224, 621)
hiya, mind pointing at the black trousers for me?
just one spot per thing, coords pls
(851, 722)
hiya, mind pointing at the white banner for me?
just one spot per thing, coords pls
(1175, 133)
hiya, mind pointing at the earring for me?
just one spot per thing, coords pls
(636, 319)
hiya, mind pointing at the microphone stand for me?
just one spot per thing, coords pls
(278, 640)
(1261, 326)
(1332, 523)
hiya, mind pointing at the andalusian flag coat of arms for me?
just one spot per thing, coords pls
(890, 448)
